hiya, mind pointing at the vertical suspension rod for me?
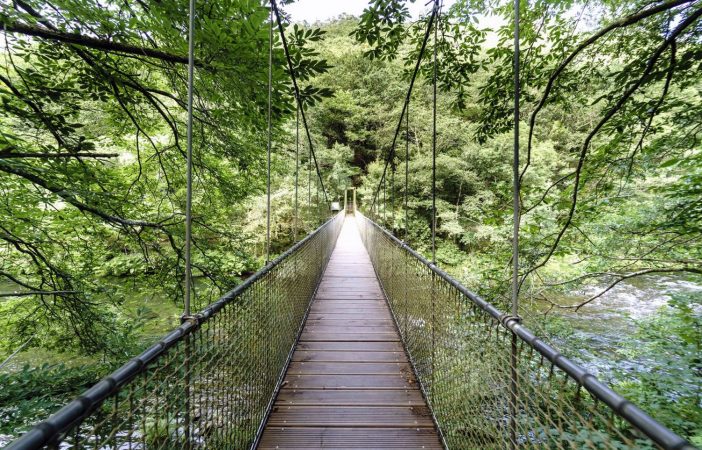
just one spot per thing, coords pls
(270, 138)
(514, 373)
(298, 99)
(407, 138)
(391, 154)
(188, 220)
(515, 170)
(297, 169)
(189, 162)
(433, 140)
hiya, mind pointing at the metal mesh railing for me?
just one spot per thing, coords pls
(210, 383)
(489, 381)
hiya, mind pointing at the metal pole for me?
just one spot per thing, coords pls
(433, 206)
(433, 146)
(297, 169)
(407, 173)
(354, 201)
(392, 195)
(189, 161)
(188, 218)
(514, 375)
(515, 169)
(270, 134)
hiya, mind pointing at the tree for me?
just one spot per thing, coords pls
(92, 152)
(621, 79)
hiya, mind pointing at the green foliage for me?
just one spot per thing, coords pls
(92, 158)
(671, 387)
(34, 393)
(92, 153)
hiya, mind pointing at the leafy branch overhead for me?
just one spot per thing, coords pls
(621, 79)
(92, 135)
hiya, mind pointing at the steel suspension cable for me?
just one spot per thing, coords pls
(514, 374)
(188, 223)
(427, 33)
(433, 141)
(270, 137)
(392, 194)
(189, 161)
(515, 169)
(297, 168)
(298, 99)
(407, 138)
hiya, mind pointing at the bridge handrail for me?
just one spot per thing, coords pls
(53, 429)
(625, 409)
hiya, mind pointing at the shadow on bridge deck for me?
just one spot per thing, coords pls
(349, 384)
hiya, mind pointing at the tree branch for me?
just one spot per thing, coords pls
(91, 42)
(70, 198)
(58, 155)
(27, 294)
(623, 22)
(608, 115)
(621, 278)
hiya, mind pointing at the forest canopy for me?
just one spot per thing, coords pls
(92, 156)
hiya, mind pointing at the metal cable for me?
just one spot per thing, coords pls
(297, 168)
(270, 134)
(392, 194)
(189, 161)
(297, 95)
(427, 33)
(514, 370)
(433, 141)
(515, 169)
(407, 138)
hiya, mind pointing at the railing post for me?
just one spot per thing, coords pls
(354, 201)
(433, 334)
(514, 374)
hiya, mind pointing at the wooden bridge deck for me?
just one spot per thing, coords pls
(349, 384)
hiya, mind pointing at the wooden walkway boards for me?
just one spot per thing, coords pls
(349, 384)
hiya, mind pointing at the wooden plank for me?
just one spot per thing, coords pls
(339, 291)
(350, 280)
(331, 336)
(350, 397)
(348, 356)
(349, 289)
(332, 273)
(339, 315)
(345, 381)
(355, 301)
(327, 327)
(351, 346)
(341, 303)
(349, 297)
(355, 368)
(358, 309)
(345, 416)
(330, 322)
(350, 438)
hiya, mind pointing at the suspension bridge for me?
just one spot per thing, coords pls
(351, 339)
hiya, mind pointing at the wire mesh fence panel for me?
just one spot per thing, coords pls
(489, 381)
(209, 383)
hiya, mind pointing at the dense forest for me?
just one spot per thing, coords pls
(92, 131)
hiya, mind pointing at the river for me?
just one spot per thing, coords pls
(601, 327)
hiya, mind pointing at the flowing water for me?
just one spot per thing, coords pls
(600, 328)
